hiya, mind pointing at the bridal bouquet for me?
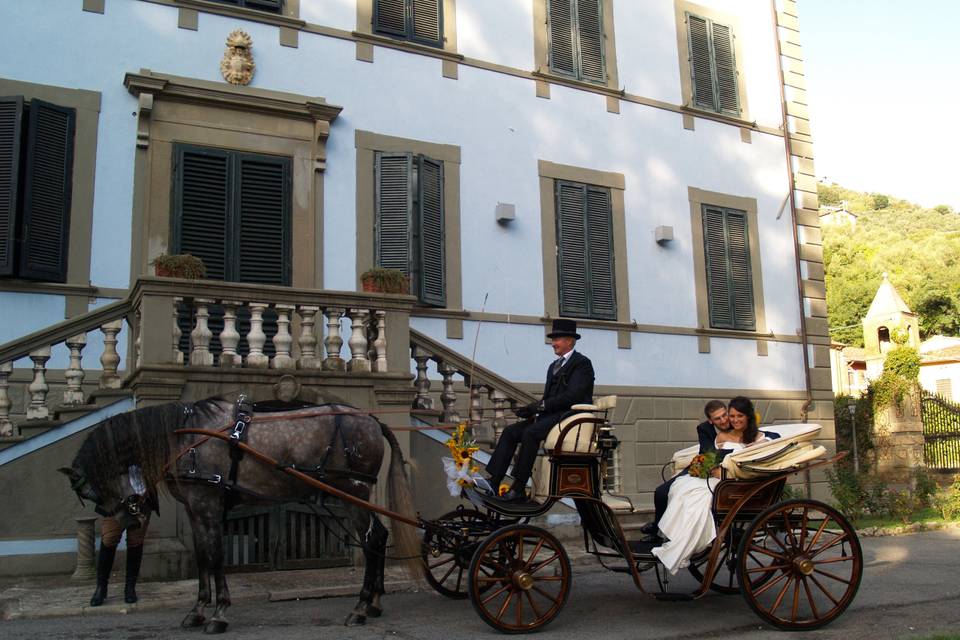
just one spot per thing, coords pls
(703, 464)
(460, 468)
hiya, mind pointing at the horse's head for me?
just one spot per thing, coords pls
(121, 498)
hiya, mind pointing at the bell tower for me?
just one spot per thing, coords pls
(887, 314)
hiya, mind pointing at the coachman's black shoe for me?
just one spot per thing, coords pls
(514, 496)
(649, 529)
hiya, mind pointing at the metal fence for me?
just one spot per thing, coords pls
(941, 432)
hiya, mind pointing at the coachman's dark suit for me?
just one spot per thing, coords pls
(573, 384)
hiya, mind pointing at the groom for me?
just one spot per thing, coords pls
(569, 382)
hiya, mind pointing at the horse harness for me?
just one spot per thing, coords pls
(244, 415)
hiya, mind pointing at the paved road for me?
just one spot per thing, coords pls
(910, 589)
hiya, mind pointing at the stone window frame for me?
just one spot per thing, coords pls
(87, 106)
(681, 8)
(541, 49)
(549, 173)
(173, 109)
(368, 144)
(698, 198)
(288, 21)
(367, 37)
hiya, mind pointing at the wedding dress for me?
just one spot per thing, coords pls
(688, 521)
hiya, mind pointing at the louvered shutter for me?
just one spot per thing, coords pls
(389, 16)
(590, 30)
(426, 21)
(572, 254)
(45, 223)
(273, 6)
(701, 64)
(741, 277)
(562, 54)
(394, 204)
(11, 135)
(263, 210)
(718, 283)
(602, 283)
(432, 268)
(202, 204)
(726, 69)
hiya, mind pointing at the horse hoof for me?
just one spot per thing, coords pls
(193, 620)
(355, 620)
(215, 626)
(374, 612)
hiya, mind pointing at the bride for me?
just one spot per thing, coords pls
(688, 523)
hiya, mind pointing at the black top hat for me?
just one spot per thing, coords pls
(564, 328)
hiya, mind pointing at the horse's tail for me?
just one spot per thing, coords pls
(400, 500)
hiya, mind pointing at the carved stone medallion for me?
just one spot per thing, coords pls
(237, 65)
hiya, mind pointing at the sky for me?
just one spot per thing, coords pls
(883, 81)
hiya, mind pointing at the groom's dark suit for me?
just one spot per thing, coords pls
(572, 384)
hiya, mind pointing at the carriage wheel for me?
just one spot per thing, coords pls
(725, 579)
(519, 579)
(809, 561)
(445, 567)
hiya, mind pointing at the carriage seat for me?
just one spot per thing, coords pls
(580, 439)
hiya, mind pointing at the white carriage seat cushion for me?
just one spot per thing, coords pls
(788, 433)
(580, 439)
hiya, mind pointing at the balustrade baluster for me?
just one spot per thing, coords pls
(333, 342)
(358, 342)
(476, 408)
(138, 341)
(257, 359)
(177, 332)
(308, 338)
(499, 400)
(380, 344)
(282, 340)
(422, 383)
(110, 359)
(74, 374)
(200, 354)
(448, 397)
(6, 426)
(230, 337)
(37, 409)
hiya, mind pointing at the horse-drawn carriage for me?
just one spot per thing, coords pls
(798, 562)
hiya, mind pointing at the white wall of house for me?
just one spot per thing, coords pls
(502, 130)
(931, 374)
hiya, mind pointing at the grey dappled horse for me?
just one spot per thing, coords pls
(348, 444)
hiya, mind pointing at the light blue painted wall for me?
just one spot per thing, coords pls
(502, 129)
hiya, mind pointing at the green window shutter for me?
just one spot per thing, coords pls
(11, 136)
(45, 224)
(571, 249)
(725, 68)
(426, 21)
(394, 205)
(202, 203)
(602, 282)
(590, 31)
(729, 275)
(561, 29)
(741, 276)
(390, 16)
(273, 6)
(263, 211)
(718, 281)
(432, 264)
(701, 61)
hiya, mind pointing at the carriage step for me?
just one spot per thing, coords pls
(673, 597)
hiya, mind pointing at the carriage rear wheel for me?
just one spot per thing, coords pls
(809, 558)
(445, 566)
(519, 579)
(725, 579)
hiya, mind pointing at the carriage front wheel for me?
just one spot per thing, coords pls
(519, 579)
(809, 558)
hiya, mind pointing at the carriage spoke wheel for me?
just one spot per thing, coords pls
(446, 568)
(519, 579)
(800, 564)
(725, 579)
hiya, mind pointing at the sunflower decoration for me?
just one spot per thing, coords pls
(703, 464)
(460, 467)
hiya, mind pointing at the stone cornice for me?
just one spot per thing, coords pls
(241, 12)
(274, 103)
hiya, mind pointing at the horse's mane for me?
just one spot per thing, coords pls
(141, 437)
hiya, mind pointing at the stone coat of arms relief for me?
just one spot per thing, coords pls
(237, 66)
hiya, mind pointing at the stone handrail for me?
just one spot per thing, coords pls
(481, 381)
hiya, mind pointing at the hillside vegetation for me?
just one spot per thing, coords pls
(919, 248)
